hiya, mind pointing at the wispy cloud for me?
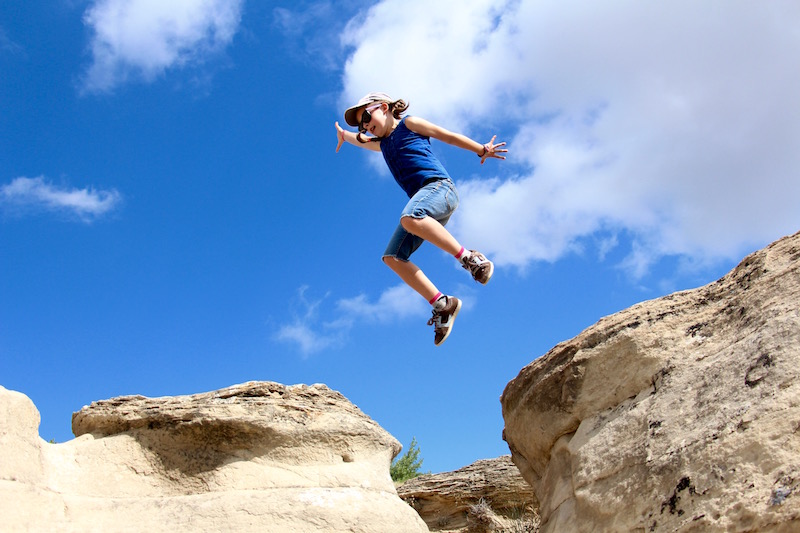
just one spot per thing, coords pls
(653, 121)
(144, 38)
(306, 329)
(7, 45)
(36, 194)
(312, 29)
(307, 35)
(394, 303)
(311, 332)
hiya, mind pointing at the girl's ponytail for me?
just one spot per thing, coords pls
(360, 139)
(398, 107)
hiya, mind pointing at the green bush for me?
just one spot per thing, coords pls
(407, 466)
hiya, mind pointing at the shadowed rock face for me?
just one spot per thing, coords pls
(678, 414)
(444, 500)
(198, 433)
(257, 456)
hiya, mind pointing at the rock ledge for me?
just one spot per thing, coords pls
(257, 456)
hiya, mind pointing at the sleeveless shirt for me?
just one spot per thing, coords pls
(410, 159)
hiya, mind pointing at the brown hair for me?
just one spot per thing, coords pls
(397, 108)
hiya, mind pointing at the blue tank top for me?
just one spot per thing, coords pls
(410, 159)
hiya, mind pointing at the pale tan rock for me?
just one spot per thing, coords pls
(20, 450)
(253, 457)
(449, 501)
(678, 414)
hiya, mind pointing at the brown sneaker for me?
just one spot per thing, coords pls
(480, 267)
(442, 319)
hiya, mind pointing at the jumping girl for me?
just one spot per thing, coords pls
(406, 147)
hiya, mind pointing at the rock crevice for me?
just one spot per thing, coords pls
(677, 414)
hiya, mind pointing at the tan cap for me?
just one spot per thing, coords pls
(350, 114)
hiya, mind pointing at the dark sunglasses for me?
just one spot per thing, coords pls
(366, 117)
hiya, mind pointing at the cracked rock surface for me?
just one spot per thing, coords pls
(677, 414)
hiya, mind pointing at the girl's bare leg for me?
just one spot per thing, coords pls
(413, 276)
(432, 231)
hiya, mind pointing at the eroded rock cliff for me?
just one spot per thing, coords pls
(678, 414)
(254, 457)
(492, 487)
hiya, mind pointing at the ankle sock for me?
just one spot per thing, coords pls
(439, 301)
(462, 254)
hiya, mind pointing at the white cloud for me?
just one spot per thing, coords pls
(311, 333)
(147, 37)
(394, 303)
(36, 193)
(674, 123)
(307, 339)
(307, 329)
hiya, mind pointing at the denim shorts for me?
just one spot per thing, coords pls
(437, 199)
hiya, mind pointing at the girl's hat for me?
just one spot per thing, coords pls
(350, 114)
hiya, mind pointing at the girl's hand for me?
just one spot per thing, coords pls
(340, 135)
(491, 149)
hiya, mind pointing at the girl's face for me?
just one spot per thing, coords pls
(374, 119)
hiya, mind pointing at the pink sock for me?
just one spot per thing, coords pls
(460, 254)
(433, 300)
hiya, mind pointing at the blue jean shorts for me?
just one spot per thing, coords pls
(438, 200)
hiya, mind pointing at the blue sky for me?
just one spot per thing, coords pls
(174, 218)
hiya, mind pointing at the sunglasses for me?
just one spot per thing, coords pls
(366, 118)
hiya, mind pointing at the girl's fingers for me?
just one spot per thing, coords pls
(339, 135)
(491, 146)
(495, 149)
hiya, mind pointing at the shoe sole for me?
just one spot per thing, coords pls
(491, 272)
(450, 328)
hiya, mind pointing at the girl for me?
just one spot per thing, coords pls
(406, 147)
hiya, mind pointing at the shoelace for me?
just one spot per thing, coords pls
(436, 319)
(473, 263)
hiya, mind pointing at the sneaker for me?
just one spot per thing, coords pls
(480, 267)
(442, 319)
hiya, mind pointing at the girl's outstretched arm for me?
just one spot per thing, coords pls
(429, 129)
(344, 135)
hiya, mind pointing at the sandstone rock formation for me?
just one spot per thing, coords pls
(253, 457)
(490, 488)
(678, 414)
